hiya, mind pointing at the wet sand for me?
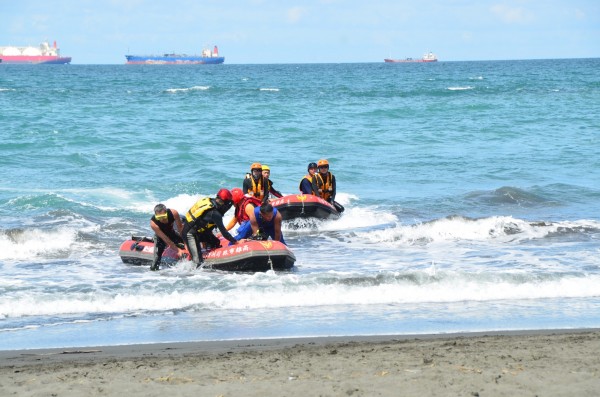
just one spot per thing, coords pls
(531, 363)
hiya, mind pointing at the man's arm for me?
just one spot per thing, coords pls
(253, 223)
(164, 237)
(178, 221)
(334, 190)
(275, 193)
(277, 225)
(217, 219)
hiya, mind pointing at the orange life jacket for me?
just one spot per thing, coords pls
(325, 186)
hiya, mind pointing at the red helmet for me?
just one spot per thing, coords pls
(224, 195)
(237, 195)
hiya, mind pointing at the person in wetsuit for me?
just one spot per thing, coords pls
(200, 221)
(266, 171)
(324, 185)
(164, 234)
(255, 183)
(306, 184)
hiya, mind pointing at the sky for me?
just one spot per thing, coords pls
(307, 31)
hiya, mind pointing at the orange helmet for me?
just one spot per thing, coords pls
(237, 195)
(323, 163)
(256, 166)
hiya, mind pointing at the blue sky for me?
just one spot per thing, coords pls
(307, 31)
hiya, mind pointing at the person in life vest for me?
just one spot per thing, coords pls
(164, 235)
(266, 171)
(200, 221)
(324, 184)
(265, 221)
(255, 184)
(244, 205)
(306, 186)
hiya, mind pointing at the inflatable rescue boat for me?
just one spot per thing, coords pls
(248, 256)
(304, 206)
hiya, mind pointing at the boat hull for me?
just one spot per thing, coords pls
(172, 60)
(409, 60)
(34, 59)
(248, 256)
(304, 206)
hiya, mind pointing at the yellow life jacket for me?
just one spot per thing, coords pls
(257, 188)
(195, 214)
(325, 186)
(309, 178)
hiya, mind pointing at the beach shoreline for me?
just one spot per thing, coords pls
(536, 362)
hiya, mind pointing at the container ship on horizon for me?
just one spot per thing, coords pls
(207, 57)
(32, 55)
(430, 57)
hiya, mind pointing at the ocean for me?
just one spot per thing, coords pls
(472, 195)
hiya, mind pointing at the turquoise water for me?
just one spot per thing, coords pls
(472, 192)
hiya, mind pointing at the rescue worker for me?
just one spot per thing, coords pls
(200, 221)
(265, 221)
(255, 184)
(164, 234)
(266, 171)
(306, 182)
(324, 184)
(244, 205)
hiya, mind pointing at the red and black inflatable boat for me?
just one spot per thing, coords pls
(304, 206)
(247, 256)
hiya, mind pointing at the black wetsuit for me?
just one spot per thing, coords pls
(248, 188)
(201, 231)
(159, 244)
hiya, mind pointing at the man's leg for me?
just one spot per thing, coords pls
(159, 247)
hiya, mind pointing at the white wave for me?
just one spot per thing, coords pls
(269, 89)
(194, 88)
(459, 228)
(460, 88)
(7, 89)
(38, 243)
(272, 291)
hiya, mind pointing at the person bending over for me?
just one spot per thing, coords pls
(265, 221)
(201, 220)
(164, 235)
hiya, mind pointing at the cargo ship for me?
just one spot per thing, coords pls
(428, 57)
(207, 57)
(32, 55)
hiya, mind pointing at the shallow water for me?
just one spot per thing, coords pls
(471, 188)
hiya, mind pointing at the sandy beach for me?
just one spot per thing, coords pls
(532, 363)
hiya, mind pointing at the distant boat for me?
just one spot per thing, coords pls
(428, 57)
(207, 57)
(32, 55)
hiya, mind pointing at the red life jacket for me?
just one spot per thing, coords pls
(240, 213)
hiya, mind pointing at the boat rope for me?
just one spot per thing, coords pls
(269, 260)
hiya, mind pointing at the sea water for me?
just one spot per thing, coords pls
(472, 195)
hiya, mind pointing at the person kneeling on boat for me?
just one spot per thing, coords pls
(244, 205)
(201, 220)
(324, 185)
(164, 235)
(306, 184)
(255, 183)
(266, 171)
(264, 221)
